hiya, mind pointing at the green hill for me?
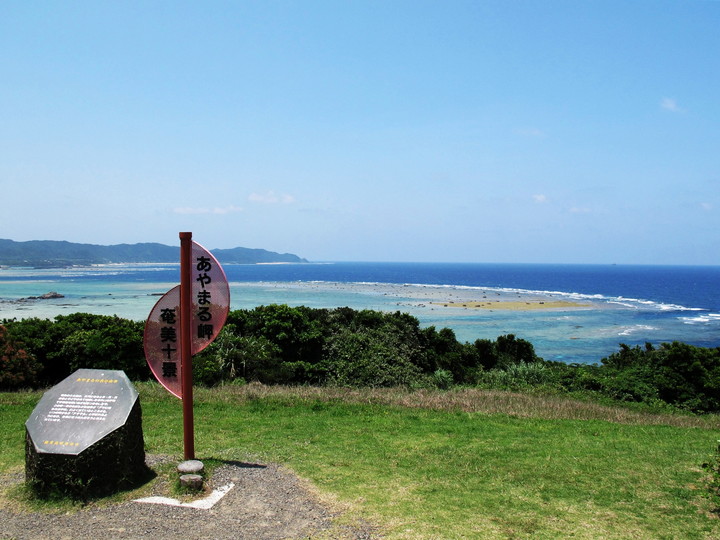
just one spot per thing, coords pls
(52, 253)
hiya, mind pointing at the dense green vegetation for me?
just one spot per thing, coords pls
(278, 344)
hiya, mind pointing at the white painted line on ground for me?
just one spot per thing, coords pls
(202, 504)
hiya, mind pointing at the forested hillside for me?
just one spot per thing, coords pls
(52, 253)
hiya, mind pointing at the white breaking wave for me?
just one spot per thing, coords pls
(704, 318)
(637, 328)
(635, 302)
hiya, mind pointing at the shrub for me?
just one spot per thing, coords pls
(677, 373)
(106, 343)
(516, 376)
(688, 376)
(504, 352)
(442, 379)
(369, 357)
(232, 357)
(296, 332)
(18, 368)
(82, 340)
(40, 338)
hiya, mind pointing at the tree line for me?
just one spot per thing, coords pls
(58, 254)
(279, 344)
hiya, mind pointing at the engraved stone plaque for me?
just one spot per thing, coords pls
(86, 433)
(80, 411)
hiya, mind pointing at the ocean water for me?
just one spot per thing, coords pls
(620, 304)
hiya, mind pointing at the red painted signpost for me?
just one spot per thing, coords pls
(183, 322)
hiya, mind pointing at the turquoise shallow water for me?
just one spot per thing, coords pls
(630, 306)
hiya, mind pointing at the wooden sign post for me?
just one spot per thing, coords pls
(183, 322)
(186, 343)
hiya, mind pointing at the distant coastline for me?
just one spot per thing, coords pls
(62, 254)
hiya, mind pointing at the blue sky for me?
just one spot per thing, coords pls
(480, 131)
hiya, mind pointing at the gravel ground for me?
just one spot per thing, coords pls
(267, 502)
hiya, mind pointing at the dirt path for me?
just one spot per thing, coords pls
(266, 502)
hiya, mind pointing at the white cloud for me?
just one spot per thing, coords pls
(580, 210)
(706, 206)
(202, 210)
(271, 197)
(540, 198)
(670, 104)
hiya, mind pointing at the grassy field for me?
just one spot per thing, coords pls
(458, 464)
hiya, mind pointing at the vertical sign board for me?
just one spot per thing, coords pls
(211, 298)
(162, 341)
(210, 306)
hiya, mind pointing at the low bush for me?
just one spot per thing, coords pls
(18, 368)
(516, 376)
(81, 340)
(682, 375)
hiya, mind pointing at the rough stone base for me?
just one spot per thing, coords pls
(114, 463)
(192, 481)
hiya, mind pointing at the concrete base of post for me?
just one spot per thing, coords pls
(191, 481)
(191, 474)
(192, 466)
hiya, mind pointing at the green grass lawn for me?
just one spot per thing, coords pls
(449, 471)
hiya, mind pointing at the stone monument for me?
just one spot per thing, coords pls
(84, 438)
